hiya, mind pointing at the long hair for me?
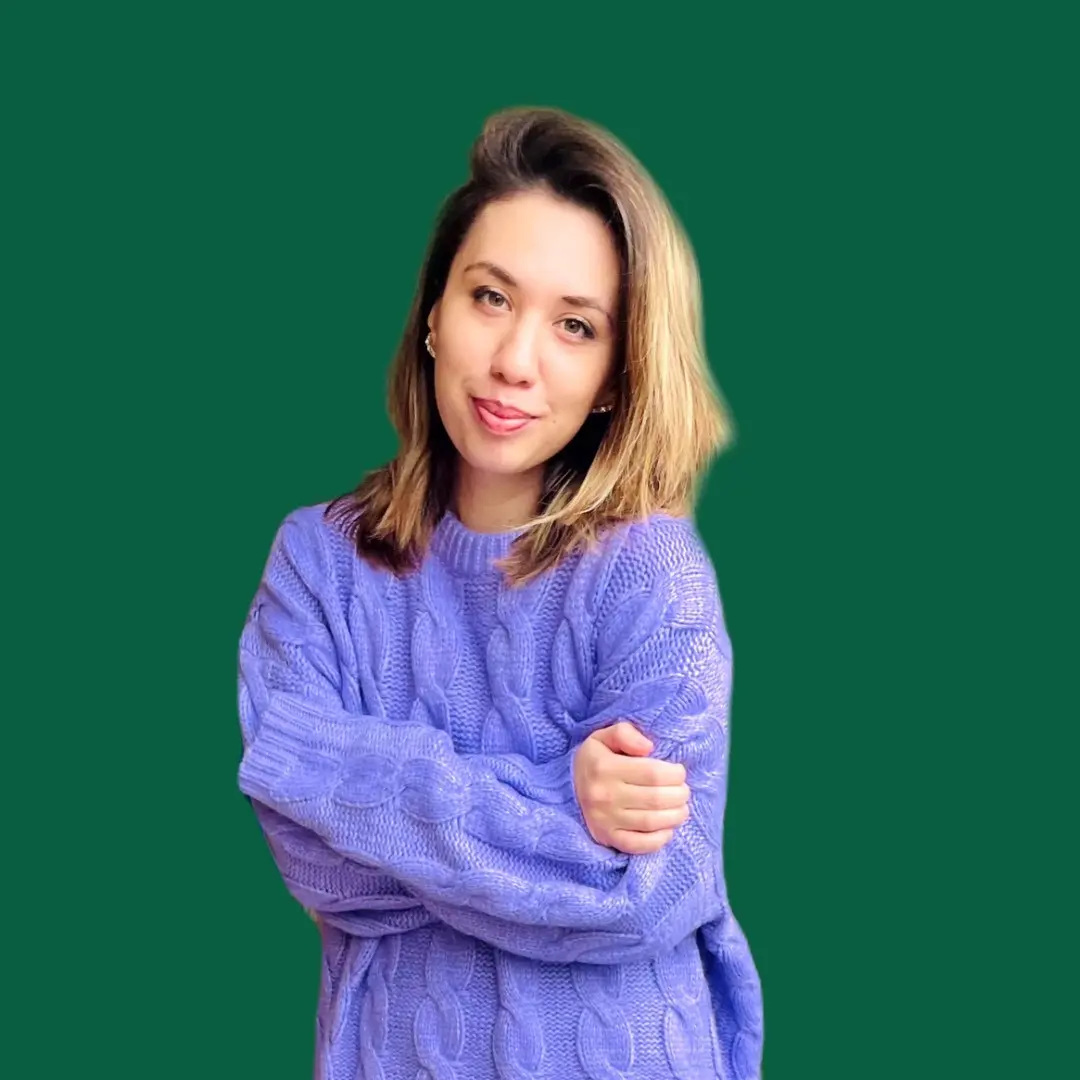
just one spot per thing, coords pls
(669, 420)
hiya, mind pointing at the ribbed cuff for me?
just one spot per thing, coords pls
(296, 754)
(301, 750)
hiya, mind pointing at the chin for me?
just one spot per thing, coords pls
(499, 462)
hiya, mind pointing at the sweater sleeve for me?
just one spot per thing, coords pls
(366, 814)
(356, 898)
(468, 835)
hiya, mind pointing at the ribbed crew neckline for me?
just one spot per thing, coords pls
(466, 552)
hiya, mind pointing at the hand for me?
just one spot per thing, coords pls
(630, 802)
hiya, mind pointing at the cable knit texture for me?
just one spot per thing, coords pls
(408, 751)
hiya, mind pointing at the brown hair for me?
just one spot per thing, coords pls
(668, 419)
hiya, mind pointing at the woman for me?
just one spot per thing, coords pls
(484, 697)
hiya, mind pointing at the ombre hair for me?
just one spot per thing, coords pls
(668, 419)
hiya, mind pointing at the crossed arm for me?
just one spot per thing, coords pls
(380, 827)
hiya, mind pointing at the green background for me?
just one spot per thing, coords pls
(214, 221)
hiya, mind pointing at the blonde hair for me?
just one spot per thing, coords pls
(669, 420)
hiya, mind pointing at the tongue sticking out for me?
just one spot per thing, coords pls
(500, 419)
(504, 412)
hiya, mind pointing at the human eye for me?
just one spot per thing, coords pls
(495, 299)
(579, 328)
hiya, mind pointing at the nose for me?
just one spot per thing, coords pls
(515, 359)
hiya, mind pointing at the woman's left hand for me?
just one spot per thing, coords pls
(630, 801)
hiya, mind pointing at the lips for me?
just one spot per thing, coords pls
(503, 412)
(500, 419)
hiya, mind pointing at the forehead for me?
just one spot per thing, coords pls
(546, 244)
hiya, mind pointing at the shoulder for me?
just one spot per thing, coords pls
(303, 536)
(658, 572)
(656, 548)
(315, 549)
(657, 554)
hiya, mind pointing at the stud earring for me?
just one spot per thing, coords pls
(427, 342)
(603, 408)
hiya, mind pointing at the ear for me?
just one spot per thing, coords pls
(433, 314)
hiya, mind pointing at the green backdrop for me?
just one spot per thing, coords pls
(214, 224)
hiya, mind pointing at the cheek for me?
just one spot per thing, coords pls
(455, 370)
(573, 384)
(461, 352)
(446, 395)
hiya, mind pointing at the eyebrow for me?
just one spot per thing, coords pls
(508, 279)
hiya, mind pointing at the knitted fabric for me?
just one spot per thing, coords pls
(408, 746)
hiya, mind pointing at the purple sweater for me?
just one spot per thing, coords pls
(408, 745)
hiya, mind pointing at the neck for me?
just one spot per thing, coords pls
(493, 503)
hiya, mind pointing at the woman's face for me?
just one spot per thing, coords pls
(524, 333)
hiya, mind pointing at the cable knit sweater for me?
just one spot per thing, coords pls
(408, 746)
